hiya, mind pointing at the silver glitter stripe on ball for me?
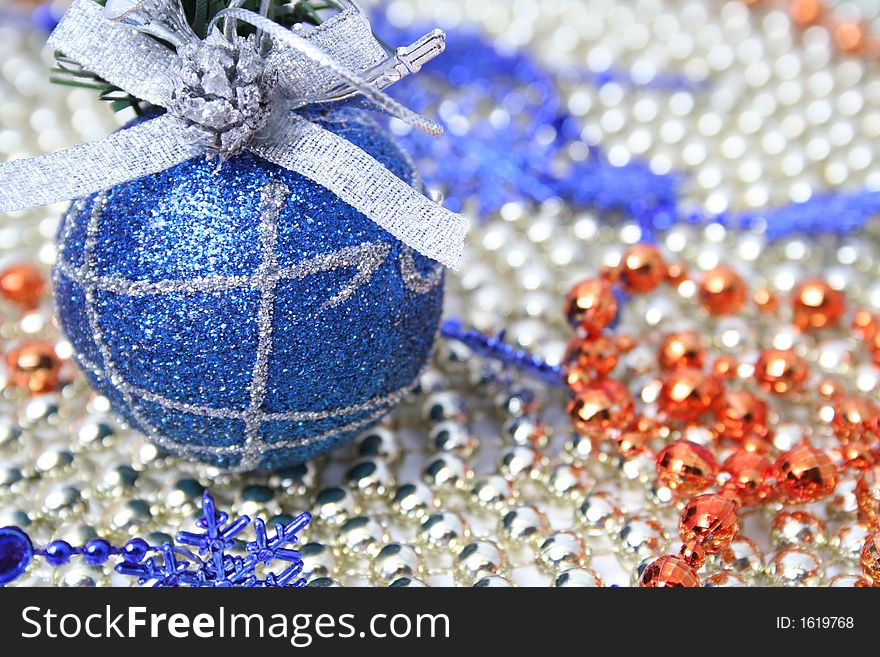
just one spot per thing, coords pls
(273, 197)
(366, 257)
(414, 280)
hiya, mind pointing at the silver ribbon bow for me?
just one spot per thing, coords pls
(336, 60)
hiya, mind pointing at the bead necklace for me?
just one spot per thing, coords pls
(698, 410)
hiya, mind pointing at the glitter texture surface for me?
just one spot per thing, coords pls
(246, 316)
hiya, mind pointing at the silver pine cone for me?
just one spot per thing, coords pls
(221, 93)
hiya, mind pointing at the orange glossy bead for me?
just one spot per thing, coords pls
(591, 305)
(865, 323)
(603, 406)
(642, 269)
(805, 12)
(34, 366)
(849, 37)
(868, 496)
(816, 305)
(669, 571)
(870, 558)
(625, 343)
(687, 394)
(693, 554)
(766, 301)
(750, 474)
(857, 455)
(609, 273)
(725, 367)
(873, 345)
(632, 443)
(23, 284)
(739, 413)
(680, 350)
(855, 418)
(804, 474)
(722, 291)
(709, 520)
(781, 371)
(686, 468)
(830, 389)
(757, 443)
(596, 354)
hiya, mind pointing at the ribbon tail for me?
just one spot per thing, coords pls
(74, 172)
(365, 184)
(123, 57)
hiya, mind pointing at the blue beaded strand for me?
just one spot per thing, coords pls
(173, 564)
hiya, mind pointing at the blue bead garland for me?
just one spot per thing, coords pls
(212, 564)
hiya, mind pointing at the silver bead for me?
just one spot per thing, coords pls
(524, 524)
(453, 437)
(577, 578)
(848, 541)
(333, 506)
(10, 432)
(128, 517)
(295, 480)
(257, 500)
(54, 461)
(318, 561)
(520, 463)
(600, 514)
(324, 583)
(414, 501)
(448, 472)
(479, 559)
(493, 492)
(640, 537)
(519, 402)
(183, 497)
(440, 406)
(396, 560)
(63, 501)
(569, 482)
(578, 449)
(117, 480)
(370, 477)
(846, 581)
(78, 574)
(407, 583)
(379, 442)
(741, 556)
(526, 430)
(724, 579)
(443, 530)
(494, 582)
(561, 551)
(795, 567)
(797, 529)
(361, 536)
(95, 431)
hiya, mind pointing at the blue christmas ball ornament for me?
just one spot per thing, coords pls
(244, 315)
